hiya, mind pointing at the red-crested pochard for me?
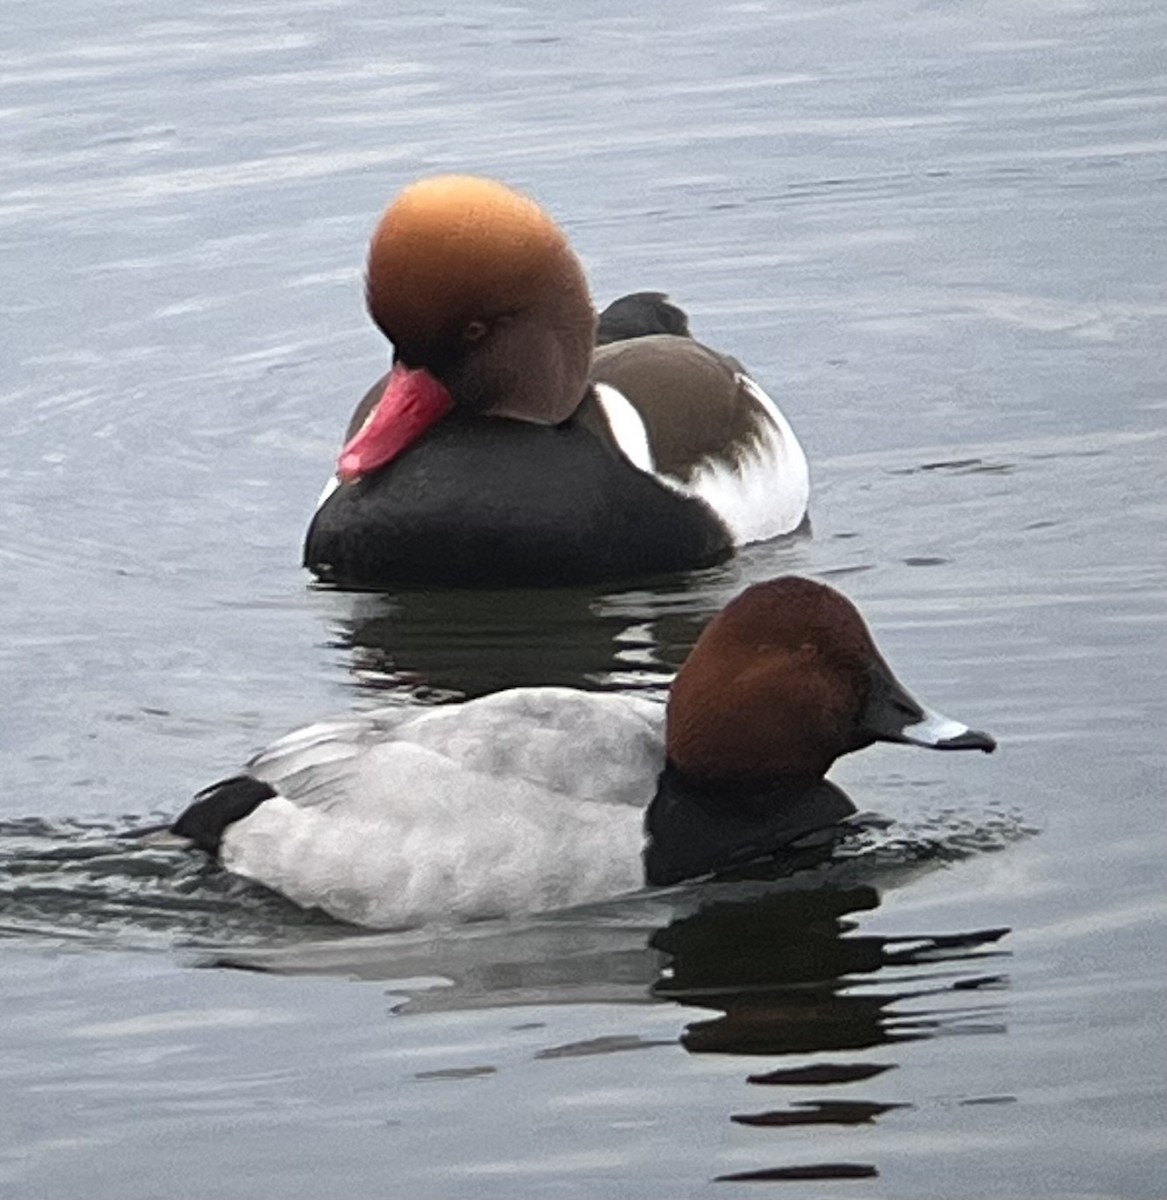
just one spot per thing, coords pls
(509, 444)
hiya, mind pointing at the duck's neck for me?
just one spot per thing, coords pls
(695, 827)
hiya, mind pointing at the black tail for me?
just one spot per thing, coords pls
(143, 831)
(218, 806)
(641, 314)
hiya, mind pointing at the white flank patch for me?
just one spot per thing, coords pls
(626, 425)
(766, 494)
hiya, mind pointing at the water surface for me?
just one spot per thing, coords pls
(936, 234)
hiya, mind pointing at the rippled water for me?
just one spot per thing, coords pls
(936, 234)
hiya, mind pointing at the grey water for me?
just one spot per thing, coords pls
(936, 234)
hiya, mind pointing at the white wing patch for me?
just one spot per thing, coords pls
(765, 494)
(627, 427)
(758, 495)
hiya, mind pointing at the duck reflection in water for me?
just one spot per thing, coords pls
(781, 969)
(790, 975)
(456, 642)
(781, 960)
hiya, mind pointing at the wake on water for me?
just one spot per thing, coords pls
(91, 880)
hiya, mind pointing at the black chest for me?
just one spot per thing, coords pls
(693, 831)
(489, 501)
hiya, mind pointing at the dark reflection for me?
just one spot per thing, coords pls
(470, 643)
(822, 1073)
(782, 963)
(456, 1074)
(820, 1112)
(810, 1171)
(611, 1044)
(789, 973)
(783, 970)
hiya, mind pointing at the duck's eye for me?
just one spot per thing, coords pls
(475, 331)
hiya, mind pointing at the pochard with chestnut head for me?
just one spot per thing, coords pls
(515, 440)
(539, 798)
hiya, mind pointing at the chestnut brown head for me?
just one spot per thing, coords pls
(785, 680)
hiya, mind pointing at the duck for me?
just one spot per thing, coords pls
(540, 798)
(517, 439)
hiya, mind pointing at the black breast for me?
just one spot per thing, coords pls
(485, 501)
(693, 830)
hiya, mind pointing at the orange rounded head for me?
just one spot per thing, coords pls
(786, 679)
(476, 284)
